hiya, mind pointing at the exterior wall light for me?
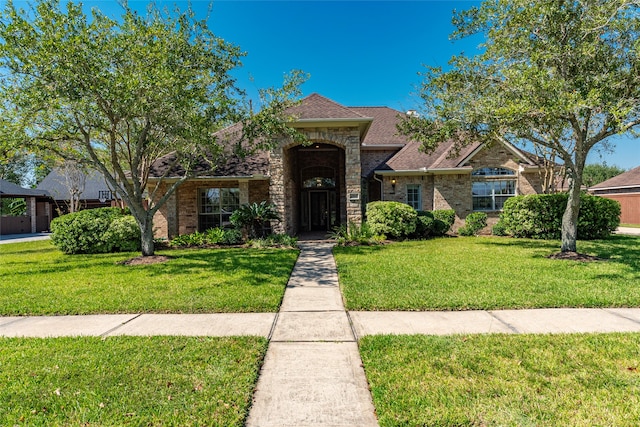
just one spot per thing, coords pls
(393, 185)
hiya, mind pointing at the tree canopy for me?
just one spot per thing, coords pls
(117, 94)
(562, 74)
(596, 173)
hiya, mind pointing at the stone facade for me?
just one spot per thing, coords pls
(285, 185)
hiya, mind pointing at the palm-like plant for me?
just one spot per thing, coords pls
(253, 218)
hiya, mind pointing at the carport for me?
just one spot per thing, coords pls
(38, 213)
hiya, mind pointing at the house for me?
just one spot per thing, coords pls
(625, 188)
(37, 215)
(355, 156)
(88, 188)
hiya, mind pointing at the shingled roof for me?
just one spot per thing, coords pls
(9, 189)
(315, 107)
(628, 179)
(383, 129)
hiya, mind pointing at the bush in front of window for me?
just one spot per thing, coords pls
(392, 219)
(473, 223)
(254, 219)
(444, 221)
(87, 231)
(213, 236)
(433, 223)
(539, 216)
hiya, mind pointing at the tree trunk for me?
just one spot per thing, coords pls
(570, 217)
(146, 236)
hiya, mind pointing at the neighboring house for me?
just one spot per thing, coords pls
(90, 187)
(355, 156)
(625, 188)
(38, 210)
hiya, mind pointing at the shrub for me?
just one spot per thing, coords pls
(123, 234)
(187, 240)
(355, 234)
(598, 218)
(275, 240)
(213, 236)
(425, 225)
(499, 229)
(83, 232)
(254, 219)
(444, 220)
(392, 219)
(474, 222)
(231, 237)
(539, 216)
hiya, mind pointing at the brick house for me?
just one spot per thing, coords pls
(625, 188)
(355, 156)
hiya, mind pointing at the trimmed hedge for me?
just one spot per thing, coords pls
(434, 223)
(392, 219)
(95, 231)
(539, 216)
(474, 222)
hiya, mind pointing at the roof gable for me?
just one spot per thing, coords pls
(316, 106)
(383, 130)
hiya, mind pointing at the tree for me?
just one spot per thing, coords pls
(116, 95)
(599, 172)
(75, 179)
(561, 74)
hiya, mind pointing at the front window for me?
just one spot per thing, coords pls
(215, 206)
(413, 196)
(491, 187)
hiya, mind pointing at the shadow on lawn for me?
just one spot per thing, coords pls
(617, 248)
(255, 265)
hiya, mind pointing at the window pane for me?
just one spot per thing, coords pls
(482, 203)
(413, 196)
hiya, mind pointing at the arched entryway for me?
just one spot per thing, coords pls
(318, 172)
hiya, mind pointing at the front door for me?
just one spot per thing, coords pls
(319, 211)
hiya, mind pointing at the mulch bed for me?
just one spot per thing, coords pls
(575, 256)
(146, 260)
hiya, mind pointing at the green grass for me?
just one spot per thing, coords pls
(38, 279)
(630, 225)
(504, 380)
(157, 381)
(488, 273)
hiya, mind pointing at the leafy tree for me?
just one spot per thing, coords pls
(118, 94)
(562, 74)
(599, 172)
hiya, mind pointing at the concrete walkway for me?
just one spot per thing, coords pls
(312, 373)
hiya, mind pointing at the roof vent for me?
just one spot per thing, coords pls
(412, 113)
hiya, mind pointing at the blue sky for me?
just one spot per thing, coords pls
(358, 53)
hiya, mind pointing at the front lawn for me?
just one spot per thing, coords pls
(38, 279)
(152, 381)
(467, 273)
(504, 380)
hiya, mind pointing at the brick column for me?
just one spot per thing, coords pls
(31, 213)
(353, 180)
(244, 192)
(276, 188)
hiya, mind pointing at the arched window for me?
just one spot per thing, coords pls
(491, 187)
